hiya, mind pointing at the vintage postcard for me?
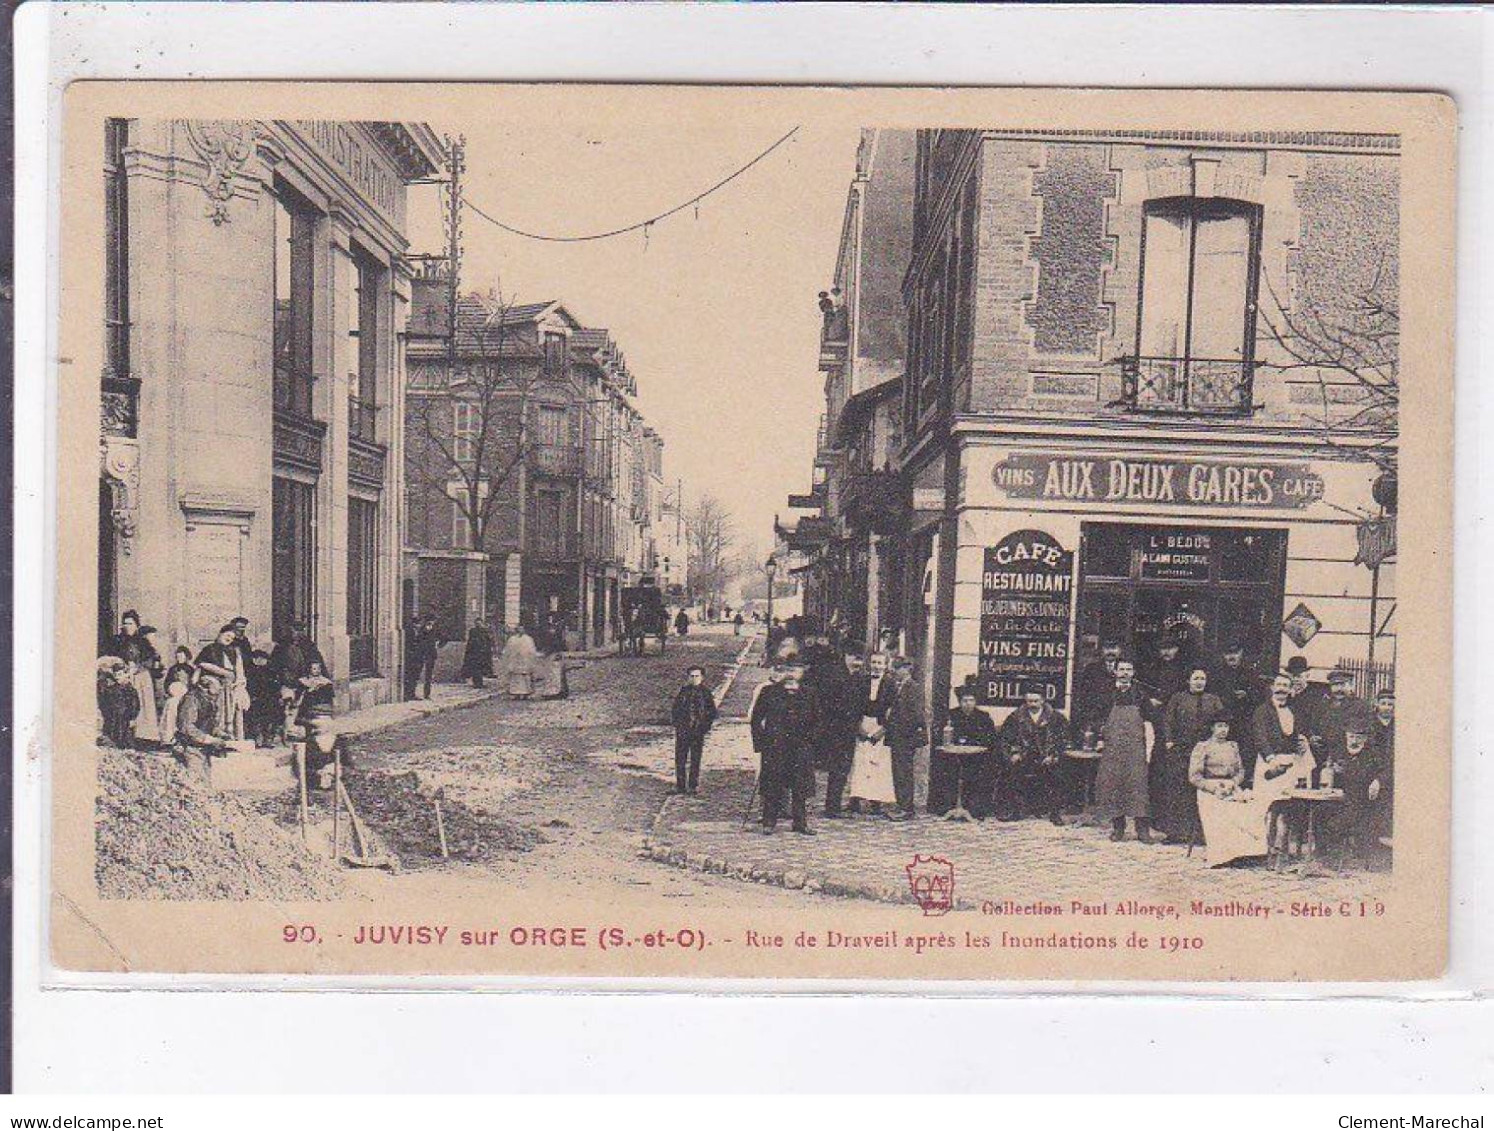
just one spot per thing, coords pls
(659, 532)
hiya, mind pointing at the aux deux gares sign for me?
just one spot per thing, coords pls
(1179, 482)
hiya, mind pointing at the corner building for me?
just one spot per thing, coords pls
(1113, 431)
(256, 299)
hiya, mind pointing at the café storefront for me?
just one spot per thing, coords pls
(1064, 545)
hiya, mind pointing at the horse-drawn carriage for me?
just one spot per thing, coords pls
(643, 615)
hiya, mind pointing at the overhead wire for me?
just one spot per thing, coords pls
(644, 225)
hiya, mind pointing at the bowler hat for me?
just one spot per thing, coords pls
(1297, 665)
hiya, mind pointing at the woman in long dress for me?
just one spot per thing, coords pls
(1235, 820)
(871, 764)
(223, 659)
(1185, 723)
(133, 646)
(520, 657)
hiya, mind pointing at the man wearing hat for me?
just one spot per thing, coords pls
(1033, 739)
(200, 728)
(968, 779)
(1306, 696)
(1384, 738)
(1359, 770)
(1238, 686)
(1332, 715)
(782, 726)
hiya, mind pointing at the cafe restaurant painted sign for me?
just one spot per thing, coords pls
(1179, 482)
(1025, 613)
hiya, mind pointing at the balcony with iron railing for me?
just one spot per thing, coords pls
(555, 459)
(1187, 385)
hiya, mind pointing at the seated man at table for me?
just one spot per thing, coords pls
(1358, 770)
(965, 779)
(1033, 740)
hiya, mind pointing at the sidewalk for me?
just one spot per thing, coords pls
(444, 697)
(1026, 862)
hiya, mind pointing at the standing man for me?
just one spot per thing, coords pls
(1126, 737)
(1239, 688)
(422, 650)
(1332, 716)
(828, 680)
(477, 661)
(1091, 701)
(782, 722)
(1033, 739)
(1383, 737)
(693, 713)
(682, 623)
(906, 734)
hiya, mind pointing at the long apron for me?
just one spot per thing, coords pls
(1121, 783)
(871, 766)
(147, 725)
(1235, 828)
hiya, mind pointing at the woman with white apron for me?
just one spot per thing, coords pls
(871, 766)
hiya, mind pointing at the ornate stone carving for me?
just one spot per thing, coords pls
(226, 147)
(119, 460)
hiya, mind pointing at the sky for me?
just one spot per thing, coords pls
(715, 312)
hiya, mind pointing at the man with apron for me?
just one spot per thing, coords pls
(1125, 743)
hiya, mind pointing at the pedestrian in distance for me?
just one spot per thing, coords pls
(520, 663)
(682, 623)
(782, 723)
(477, 660)
(736, 624)
(693, 713)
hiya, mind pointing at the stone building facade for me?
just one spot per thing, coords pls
(1124, 414)
(256, 300)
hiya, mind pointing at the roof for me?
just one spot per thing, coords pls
(858, 408)
(480, 319)
(413, 145)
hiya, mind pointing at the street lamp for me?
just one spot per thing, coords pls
(770, 567)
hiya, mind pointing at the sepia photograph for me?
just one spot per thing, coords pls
(709, 532)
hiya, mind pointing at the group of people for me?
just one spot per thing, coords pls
(1205, 752)
(229, 691)
(860, 721)
(526, 670)
(1198, 752)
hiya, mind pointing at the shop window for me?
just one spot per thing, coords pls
(362, 584)
(1107, 552)
(293, 556)
(1196, 323)
(364, 387)
(294, 294)
(461, 527)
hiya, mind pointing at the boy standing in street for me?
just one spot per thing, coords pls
(693, 713)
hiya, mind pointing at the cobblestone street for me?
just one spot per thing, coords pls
(1023, 862)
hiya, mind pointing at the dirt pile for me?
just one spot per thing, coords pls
(401, 813)
(161, 835)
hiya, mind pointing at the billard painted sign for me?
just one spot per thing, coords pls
(1177, 482)
(1025, 613)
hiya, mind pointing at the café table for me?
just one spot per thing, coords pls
(960, 750)
(1081, 754)
(1297, 810)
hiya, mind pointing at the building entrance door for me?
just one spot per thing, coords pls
(1208, 586)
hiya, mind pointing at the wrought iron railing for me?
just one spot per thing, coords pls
(555, 459)
(1187, 384)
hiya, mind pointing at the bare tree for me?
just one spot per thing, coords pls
(710, 536)
(1352, 349)
(488, 378)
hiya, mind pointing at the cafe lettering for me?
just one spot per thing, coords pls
(1202, 483)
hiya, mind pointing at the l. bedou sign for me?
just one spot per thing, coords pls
(1198, 483)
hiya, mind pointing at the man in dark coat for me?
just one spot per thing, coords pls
(1092, 692)
(1360, 771)
(200, 729)
(782, 722)
(906, 734)
(966, 780)
(828, 681)
(1239, 687)
(1330, 721)
(1307, 696)
(1275, 731)
(477, 660)
(693, 712)
(241, 642)
(682, 623)
(1033, 739)
(1383, 736)
(421, 648)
